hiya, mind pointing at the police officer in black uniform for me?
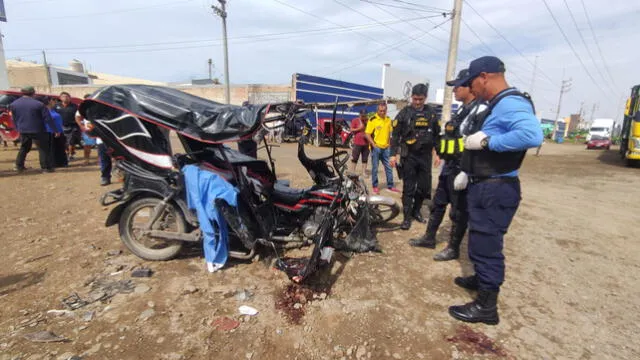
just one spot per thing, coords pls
(415, 133)
(450, 150)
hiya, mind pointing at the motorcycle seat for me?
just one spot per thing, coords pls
(288, 196)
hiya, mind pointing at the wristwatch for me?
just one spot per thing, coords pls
(485, 142)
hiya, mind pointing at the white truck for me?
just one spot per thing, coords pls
(601, 128)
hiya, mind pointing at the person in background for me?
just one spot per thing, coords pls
(57, 142)
(87, 141)
(30, 117)
(72, 132)
(360, 143)
(104, 158)
(416, 130)
(378, 134)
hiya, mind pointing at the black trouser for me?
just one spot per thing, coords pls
(59, 150)
(416, 181)
(44, 149)
(459, 215)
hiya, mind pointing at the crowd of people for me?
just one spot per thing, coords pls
(482, 147)
(56, 127)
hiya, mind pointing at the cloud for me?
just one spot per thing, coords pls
(259, 59)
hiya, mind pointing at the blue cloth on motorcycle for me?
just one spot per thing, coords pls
(203, 188)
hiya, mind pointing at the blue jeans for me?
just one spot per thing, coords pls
(105, 162)
(381, 155)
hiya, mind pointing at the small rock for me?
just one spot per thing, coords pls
(249, 356)
(350, 351)
(65, 356)
(397, 356)
(142, 288)
(279, 332)
(160, 340)
(297, 306)
(323, 296)
(94, 349)
(151, 304)
(243, 295)
(44, 337)
(296, 346)
(146, 314)
(142, 272)
(362, 351)
(189, 289)
(114, 252)
(88, 316)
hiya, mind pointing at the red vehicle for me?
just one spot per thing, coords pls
(598, 142)
(324, 133)
(8, 130)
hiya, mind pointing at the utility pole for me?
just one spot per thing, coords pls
(222, 12)
(46, 68)
(593, 110)
(210, 62)
(456, 16)
(564, 87)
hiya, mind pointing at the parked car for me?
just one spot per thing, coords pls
(599, 142)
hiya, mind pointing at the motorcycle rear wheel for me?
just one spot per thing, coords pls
(382, 212)
(146, 247)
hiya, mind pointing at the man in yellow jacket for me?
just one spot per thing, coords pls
(378, 134)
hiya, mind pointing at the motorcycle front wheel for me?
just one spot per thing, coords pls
(382, 212)
(132, 222)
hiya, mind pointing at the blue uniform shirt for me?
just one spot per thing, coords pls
(512, 126)
(57, 119)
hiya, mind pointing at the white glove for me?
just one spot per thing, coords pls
(461, 181)
(474, 141)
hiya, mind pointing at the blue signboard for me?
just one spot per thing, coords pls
(3, 14)
(315, 89)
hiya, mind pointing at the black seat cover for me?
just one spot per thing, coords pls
(286, 195)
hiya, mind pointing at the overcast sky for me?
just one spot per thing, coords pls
(171, 40)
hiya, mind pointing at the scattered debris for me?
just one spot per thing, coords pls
(247, 310)
(146, 314)
(142, 272)
(74, 302)
(244, 295)
(114, 252)
(55, 312)
(44, 337)
(142, 288)
(88, 316)
(476, 342)
(225, 324)
(189, 289)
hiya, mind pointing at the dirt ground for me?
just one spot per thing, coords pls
(572, 290)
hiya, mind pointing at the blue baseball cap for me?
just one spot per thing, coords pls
(461, 75)
(486, 64)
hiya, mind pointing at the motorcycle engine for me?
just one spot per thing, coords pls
(310, 227)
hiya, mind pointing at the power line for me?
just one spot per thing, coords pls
(572, 48)
(595, 38)
(380, 51)
(586, 46)
(388, 27)
(507, 41)
(104, 12)
(401, 7)
(335, 23)
(333, 29)
(420, 5)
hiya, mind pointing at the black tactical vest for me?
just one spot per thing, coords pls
(421, 136)
(487, 163)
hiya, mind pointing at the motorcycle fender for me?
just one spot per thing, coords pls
(114, 215)
(379, 199)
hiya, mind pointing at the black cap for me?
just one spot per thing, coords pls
(28, 90)
(461, 75)
(488, 64)
(420, 89)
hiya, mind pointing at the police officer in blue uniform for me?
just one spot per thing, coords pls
(415, 133)
(450, 150)
(493, 154)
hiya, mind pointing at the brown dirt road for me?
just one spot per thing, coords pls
(572, 290)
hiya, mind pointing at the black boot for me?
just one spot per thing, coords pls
(417, 216)
(417, 211)
(468, 282)
(452, 251)
(483, 309)
(426, 241)
(406, 224)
